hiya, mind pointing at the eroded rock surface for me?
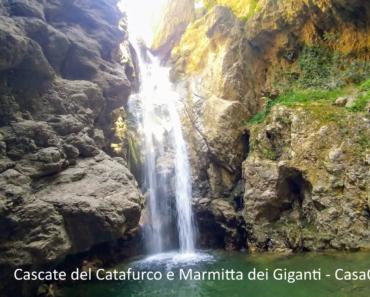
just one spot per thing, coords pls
(307, 181)
(226, 223)
(234, 59)
(217, 98)
(176, 17)
(61, 77)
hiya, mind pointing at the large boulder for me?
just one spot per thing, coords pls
(95, 201)
(307, 181)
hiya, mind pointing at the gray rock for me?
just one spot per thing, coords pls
(24, 8)
(99, 202)
(341, 101)
(84, 205)
(85, 145)
(219, 224)
(52, 202)
(306, 199)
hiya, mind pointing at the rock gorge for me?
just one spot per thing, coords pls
(275, 115)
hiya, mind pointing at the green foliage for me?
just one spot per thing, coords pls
(315, 65)
(320, 75)
(308, 95)
(364, 141)
(244, 18)
(365, 86)
(363, 98)
(259, 117)
(268, 153)
(331, 37)
(319, 67)
(294, 97)
(244, 9)
(361, 102)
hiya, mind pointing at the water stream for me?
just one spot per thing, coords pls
(327, 287)
(169, 219)
(167, 170)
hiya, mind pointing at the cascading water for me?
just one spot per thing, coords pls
(155, 107)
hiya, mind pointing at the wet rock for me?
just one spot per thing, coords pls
(23, 57)
(99, 201)
(66, 124)
(26, 9)
(218, 101)
(220, 225)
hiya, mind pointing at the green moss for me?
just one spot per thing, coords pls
(365, 86)
(308, 96)
(326, 113)
(364, 141)
(319, 67)
(268, 153)
(361, 102)
(244, 9)
(294, 97)
(132, 148)
(259, 117)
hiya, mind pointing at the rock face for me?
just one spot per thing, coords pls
(60, 80)
(307, 181)
(176, 17)
(231, 61)
(93, 202)
(228, 64)
(227, 224)
(217, 99)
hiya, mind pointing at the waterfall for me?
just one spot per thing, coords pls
(156, 108)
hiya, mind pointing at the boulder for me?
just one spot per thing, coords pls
(306, 185)
(93, 202)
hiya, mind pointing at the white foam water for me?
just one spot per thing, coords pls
(156, 110)
(170, 260)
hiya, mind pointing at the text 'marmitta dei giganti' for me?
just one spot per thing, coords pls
(280, 274)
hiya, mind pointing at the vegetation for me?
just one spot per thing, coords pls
(363, 99)
(295, 97)
(320, 75)
(243, 9)
(120, 130)
(308, 96)
(319, 67)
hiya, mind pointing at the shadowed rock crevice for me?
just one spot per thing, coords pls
(292, 191)
(220, 224)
